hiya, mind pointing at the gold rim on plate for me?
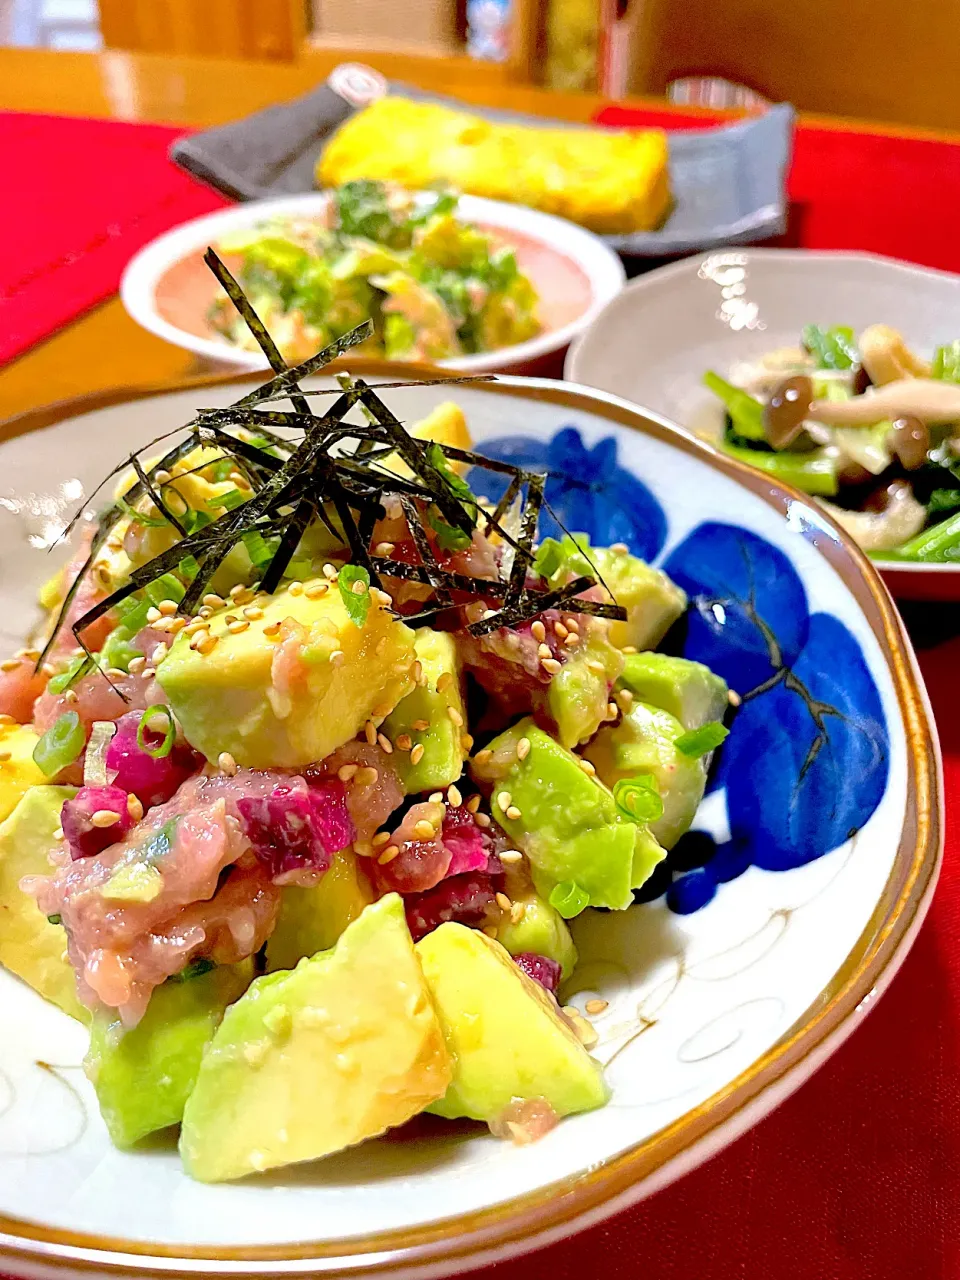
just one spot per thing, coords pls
(525, 1221)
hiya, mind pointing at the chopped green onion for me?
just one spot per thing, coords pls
(356, 603)
(569, 899)
(189, 567)
(746, 413)
(140, 517)
(258, 548)
(550, 558)
(55, 919)
(60, 745)
(222, 470)
(193, 970)
(639, 798)
(65, 678)
(95, 760)
(166, 587)
(231, 499)
(166, 746)
(943, 500)
(832, 348)
(698, 742)
(814, 473)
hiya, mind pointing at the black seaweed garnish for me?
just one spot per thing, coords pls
(334, 470)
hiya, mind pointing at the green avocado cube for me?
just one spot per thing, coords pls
(564, 819)
(505, 1034)
(313, 917)
(688, 690)
(578, 694)
(143, 1076)
(432, 716)
(540, 929)
(272, 701)
(643, 744)
(318, 1058)
(31, 946)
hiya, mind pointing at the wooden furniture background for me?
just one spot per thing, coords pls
(209, 28)
(874, 59)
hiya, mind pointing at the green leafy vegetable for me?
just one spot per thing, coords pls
(60, 745)
(943, 500)
(362, 210)
(832, 348)
(814, 472)
(698, 742)
(569, 899)
(946, 362)
(639, 798)
(163, 748)
(354, 583)
(937, 545)
(745, 412)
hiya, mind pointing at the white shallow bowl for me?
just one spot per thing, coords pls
(602, 269)
(713, 1018)
(654, 342)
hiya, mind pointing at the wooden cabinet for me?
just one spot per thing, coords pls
(262, 29)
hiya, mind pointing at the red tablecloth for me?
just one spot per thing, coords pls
(82, 196)
(857, 1177)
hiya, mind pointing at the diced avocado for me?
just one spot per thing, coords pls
(540, 929)
(505, 1034)
(18, 772)
(133, 882)
(578, 694)
(143, 1076)
(653, 602)
(437, 703)
(315, 1059)
(642, 743)
(31, 946)
(228, 699)
(569, 825)
(688, 690)
(312, 920)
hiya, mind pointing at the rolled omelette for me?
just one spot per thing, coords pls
(611, 181)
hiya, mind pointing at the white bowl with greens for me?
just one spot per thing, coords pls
(467, 283)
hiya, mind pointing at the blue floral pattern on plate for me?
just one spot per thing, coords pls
(807, 760)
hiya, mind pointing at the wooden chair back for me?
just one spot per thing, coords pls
(264, 29)
(872, 59)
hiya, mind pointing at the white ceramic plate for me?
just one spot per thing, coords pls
(654, 342)
(713, 1017)
(601, 271)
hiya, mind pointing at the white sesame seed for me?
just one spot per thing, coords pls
(551, 665)
(153, 614)
(385, 743)
(455, 716)
(370, 733)
(347, 771)
(134, 807)
(380, 839)
(503, 800)
(416, 755)
(517, 912)
(539, 630)
(503, 901)
(424, 830)
(510, 856)
(389, 853)
(227, 764)
(544, 651)
(473, 804)
(444, 681)
(329, 572)
(596, 1006)
(523, 748)
(296, 589)
(733, 698)
(514, 814)
(482, 819)
(104, 817)
(453, 796)
(366, 776)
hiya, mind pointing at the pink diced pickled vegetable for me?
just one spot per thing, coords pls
(469, 844)
(153, 780)
(87, 837)
(295, 830)
(541, 969)
(464, 899)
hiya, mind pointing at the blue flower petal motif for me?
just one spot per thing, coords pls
(586, 487)
(748, 609)
(806, 762)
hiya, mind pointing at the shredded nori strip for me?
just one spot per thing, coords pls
(331, 469)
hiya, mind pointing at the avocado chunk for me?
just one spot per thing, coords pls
(445, 424)
(540, 929)
(569, 825)
(505, 1034)
(438, 703)
(19, 771)
(143, 1076)
(643, 744)
(652, 600)
(688, 690)
(31, 946)
(312, 919)
(275, 702)
(578, 694)
(318, 1058)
